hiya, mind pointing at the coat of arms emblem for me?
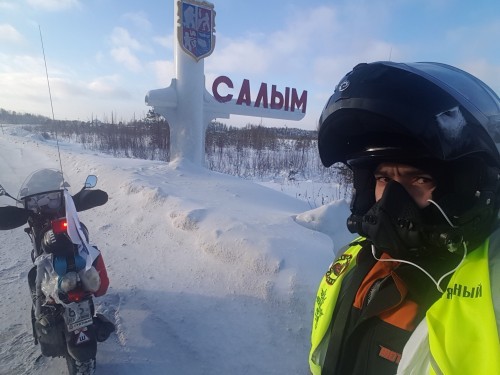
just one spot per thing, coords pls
(196, 28)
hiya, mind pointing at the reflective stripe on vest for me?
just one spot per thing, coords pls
(463, 336)
(462, 328)
(326, 299)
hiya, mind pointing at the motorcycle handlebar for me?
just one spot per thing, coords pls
(12, 217)
(87, 199)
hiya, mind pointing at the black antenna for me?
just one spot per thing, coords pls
(51, 105)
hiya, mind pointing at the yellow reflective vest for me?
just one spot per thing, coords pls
(462, 336)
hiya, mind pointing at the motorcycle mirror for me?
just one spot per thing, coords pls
(90, 182)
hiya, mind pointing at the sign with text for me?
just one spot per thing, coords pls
(287, 100)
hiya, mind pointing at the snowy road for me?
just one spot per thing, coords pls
(209, 274)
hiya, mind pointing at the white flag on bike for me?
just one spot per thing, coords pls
(75, 232)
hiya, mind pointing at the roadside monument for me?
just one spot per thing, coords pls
(187, 105)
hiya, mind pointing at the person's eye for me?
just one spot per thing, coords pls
(382, 179)
(422, 180)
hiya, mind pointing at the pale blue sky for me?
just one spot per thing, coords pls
(103, 56)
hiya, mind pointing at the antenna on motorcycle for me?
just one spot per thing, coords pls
(51, 105)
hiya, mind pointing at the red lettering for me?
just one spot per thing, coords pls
(245, 96)
(297, 103)
(287, 98)
(276, 98)
(262, 96)
(215, 86)
(289, 101)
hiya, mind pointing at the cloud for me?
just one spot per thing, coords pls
(164, 71)
(123, 46)
(240, 55)
(54, 5)
(139, 19)
(108, 86)
(7, 5)
(306, 30)
(122, 38)
(324, 32)
(11, 64)
(165, 41)
(258, 53)
(124, 56)
(320, 45)
(104, 85)
(9, 34)
(23, 81)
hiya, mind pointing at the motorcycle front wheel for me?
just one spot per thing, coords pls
(80, 368)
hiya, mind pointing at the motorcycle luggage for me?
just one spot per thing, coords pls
(103, 326)
(50, 336)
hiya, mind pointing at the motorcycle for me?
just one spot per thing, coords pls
(67, 270)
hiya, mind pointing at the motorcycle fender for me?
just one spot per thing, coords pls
(82, 343)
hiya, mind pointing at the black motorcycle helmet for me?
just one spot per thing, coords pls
(429, 115)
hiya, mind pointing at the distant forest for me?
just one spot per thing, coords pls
(253, 151)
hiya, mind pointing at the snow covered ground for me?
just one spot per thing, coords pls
(210, 274)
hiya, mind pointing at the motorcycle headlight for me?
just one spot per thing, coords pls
(68, 281)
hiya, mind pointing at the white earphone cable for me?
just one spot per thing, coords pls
(438, 282)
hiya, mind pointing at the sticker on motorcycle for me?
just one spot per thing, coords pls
(82, 337)
(77, 315)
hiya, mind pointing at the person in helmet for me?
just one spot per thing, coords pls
(418, 292)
